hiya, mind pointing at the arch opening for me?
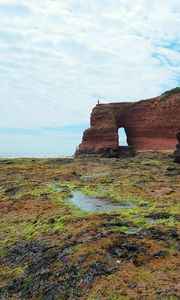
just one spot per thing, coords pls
(122, 137)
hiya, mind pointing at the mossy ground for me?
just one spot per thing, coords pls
(125, 254)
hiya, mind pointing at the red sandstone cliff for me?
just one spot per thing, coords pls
(149, 124)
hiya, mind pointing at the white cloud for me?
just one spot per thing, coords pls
(58, 57)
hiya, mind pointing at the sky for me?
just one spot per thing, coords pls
(57, 57)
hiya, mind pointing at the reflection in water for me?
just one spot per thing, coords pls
(89, 203)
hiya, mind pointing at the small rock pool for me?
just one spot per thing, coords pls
(92, 204)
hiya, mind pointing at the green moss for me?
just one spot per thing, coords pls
(174, 209)
(92, 192)
(127, 230)
(11, 272)
(12, 232)
(41, 190)
(117, 296)
(144, 277)
(2, 253)
(171, 298)
(26, 284)
(48, 226)
(170, 222)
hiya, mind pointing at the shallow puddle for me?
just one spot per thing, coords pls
(88, 177)
(90, 203)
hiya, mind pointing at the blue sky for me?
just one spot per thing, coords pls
(58, 57)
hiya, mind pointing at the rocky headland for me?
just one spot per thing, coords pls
(149, 124)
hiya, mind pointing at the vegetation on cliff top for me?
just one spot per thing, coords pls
(171, 92)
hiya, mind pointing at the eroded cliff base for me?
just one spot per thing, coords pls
(176, 154)
(120, 152)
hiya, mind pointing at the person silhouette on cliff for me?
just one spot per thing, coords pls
(178, 135)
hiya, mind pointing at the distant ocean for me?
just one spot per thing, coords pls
(33, 155)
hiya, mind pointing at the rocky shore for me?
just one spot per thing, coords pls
(50, 249)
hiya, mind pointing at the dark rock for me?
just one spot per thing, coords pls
(132, 284)
(52, 292)
(161, 215)
(41, 278)
(159, 253)
(115, 224)
(157, 234)
(173, 171)
(26, 251)
(12, 190)
(176, 154)
(123, 249)
(95, 270)
(177, 246)
(75, 174)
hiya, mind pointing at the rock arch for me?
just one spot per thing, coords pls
(150, 124)
(122, 136)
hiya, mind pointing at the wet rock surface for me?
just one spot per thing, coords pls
(157, 234)
(163, 215)
(43, 278)
(124, 250)
(50, 250)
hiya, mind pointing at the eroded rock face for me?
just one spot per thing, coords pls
(149, 124)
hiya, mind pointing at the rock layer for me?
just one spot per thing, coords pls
(149, 124)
